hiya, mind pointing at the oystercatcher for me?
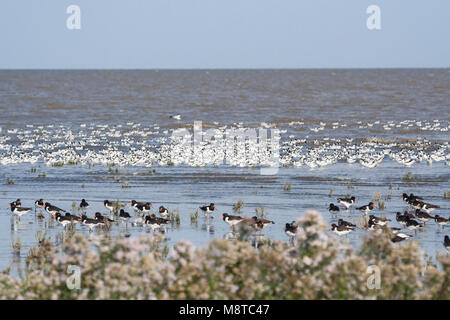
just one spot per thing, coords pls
(231, 220)
(423, 216)
(367, 208)
(208, 209)
(155, 222)
(142, 207)
(428, 207)
(441, 220)
(109, 205)
(347, 202)
(291, 229)
(412, 224)
(342, 222)
(18, 211)
(84, 205)
(447, 243)
(397, 238)
(91, 223)
(379, 221)
(51, 209)
(102, 218)
(333, 208)
(401, 218)
(125, 216)
(341, 230)
(65, 220)
(163, 212)
(39, 203)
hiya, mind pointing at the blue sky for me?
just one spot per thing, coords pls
(224, 34)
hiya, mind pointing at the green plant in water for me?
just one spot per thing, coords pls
(238, 206)
(408, 176)
(287, 186)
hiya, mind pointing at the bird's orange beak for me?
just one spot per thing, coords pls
(53, 216)
(79, 219)
(221, 217)
(374, 206)
(9, 206)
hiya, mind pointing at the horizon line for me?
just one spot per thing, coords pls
(220, 69)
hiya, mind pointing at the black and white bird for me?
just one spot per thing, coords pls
(65, 220)
(401, 218)
(84, 205)
(232, 220)
(110, 206)
(341, 230)
(124, 216)
(291, 229)
(141, 207)
(379, 221)
(333, 208)
(102, 218)
(91, 223)
(347, 202)
(39, 203)
(428, 207)
(342, 222)
(18, 211)
(412, 224)
(441, 220)
(367, 208)
(155, 222)
(51, 209)
(423, 216)
(163, 212)
(447, 243)
(208, 209)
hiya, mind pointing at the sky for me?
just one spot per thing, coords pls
(224, 34)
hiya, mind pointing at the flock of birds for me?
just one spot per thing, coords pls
(136, 145)
(421, 211)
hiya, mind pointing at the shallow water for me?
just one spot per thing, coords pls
(123, 101)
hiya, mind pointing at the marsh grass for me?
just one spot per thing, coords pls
(408, 176)
(376, 196)
(349, 185)
(41, 236)
(238, 206)
(260, 212)
(16, 246)
(10, 181)
(287, 186)
(194, 216)
(330, 194)
(447, 194)
(58, 164)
